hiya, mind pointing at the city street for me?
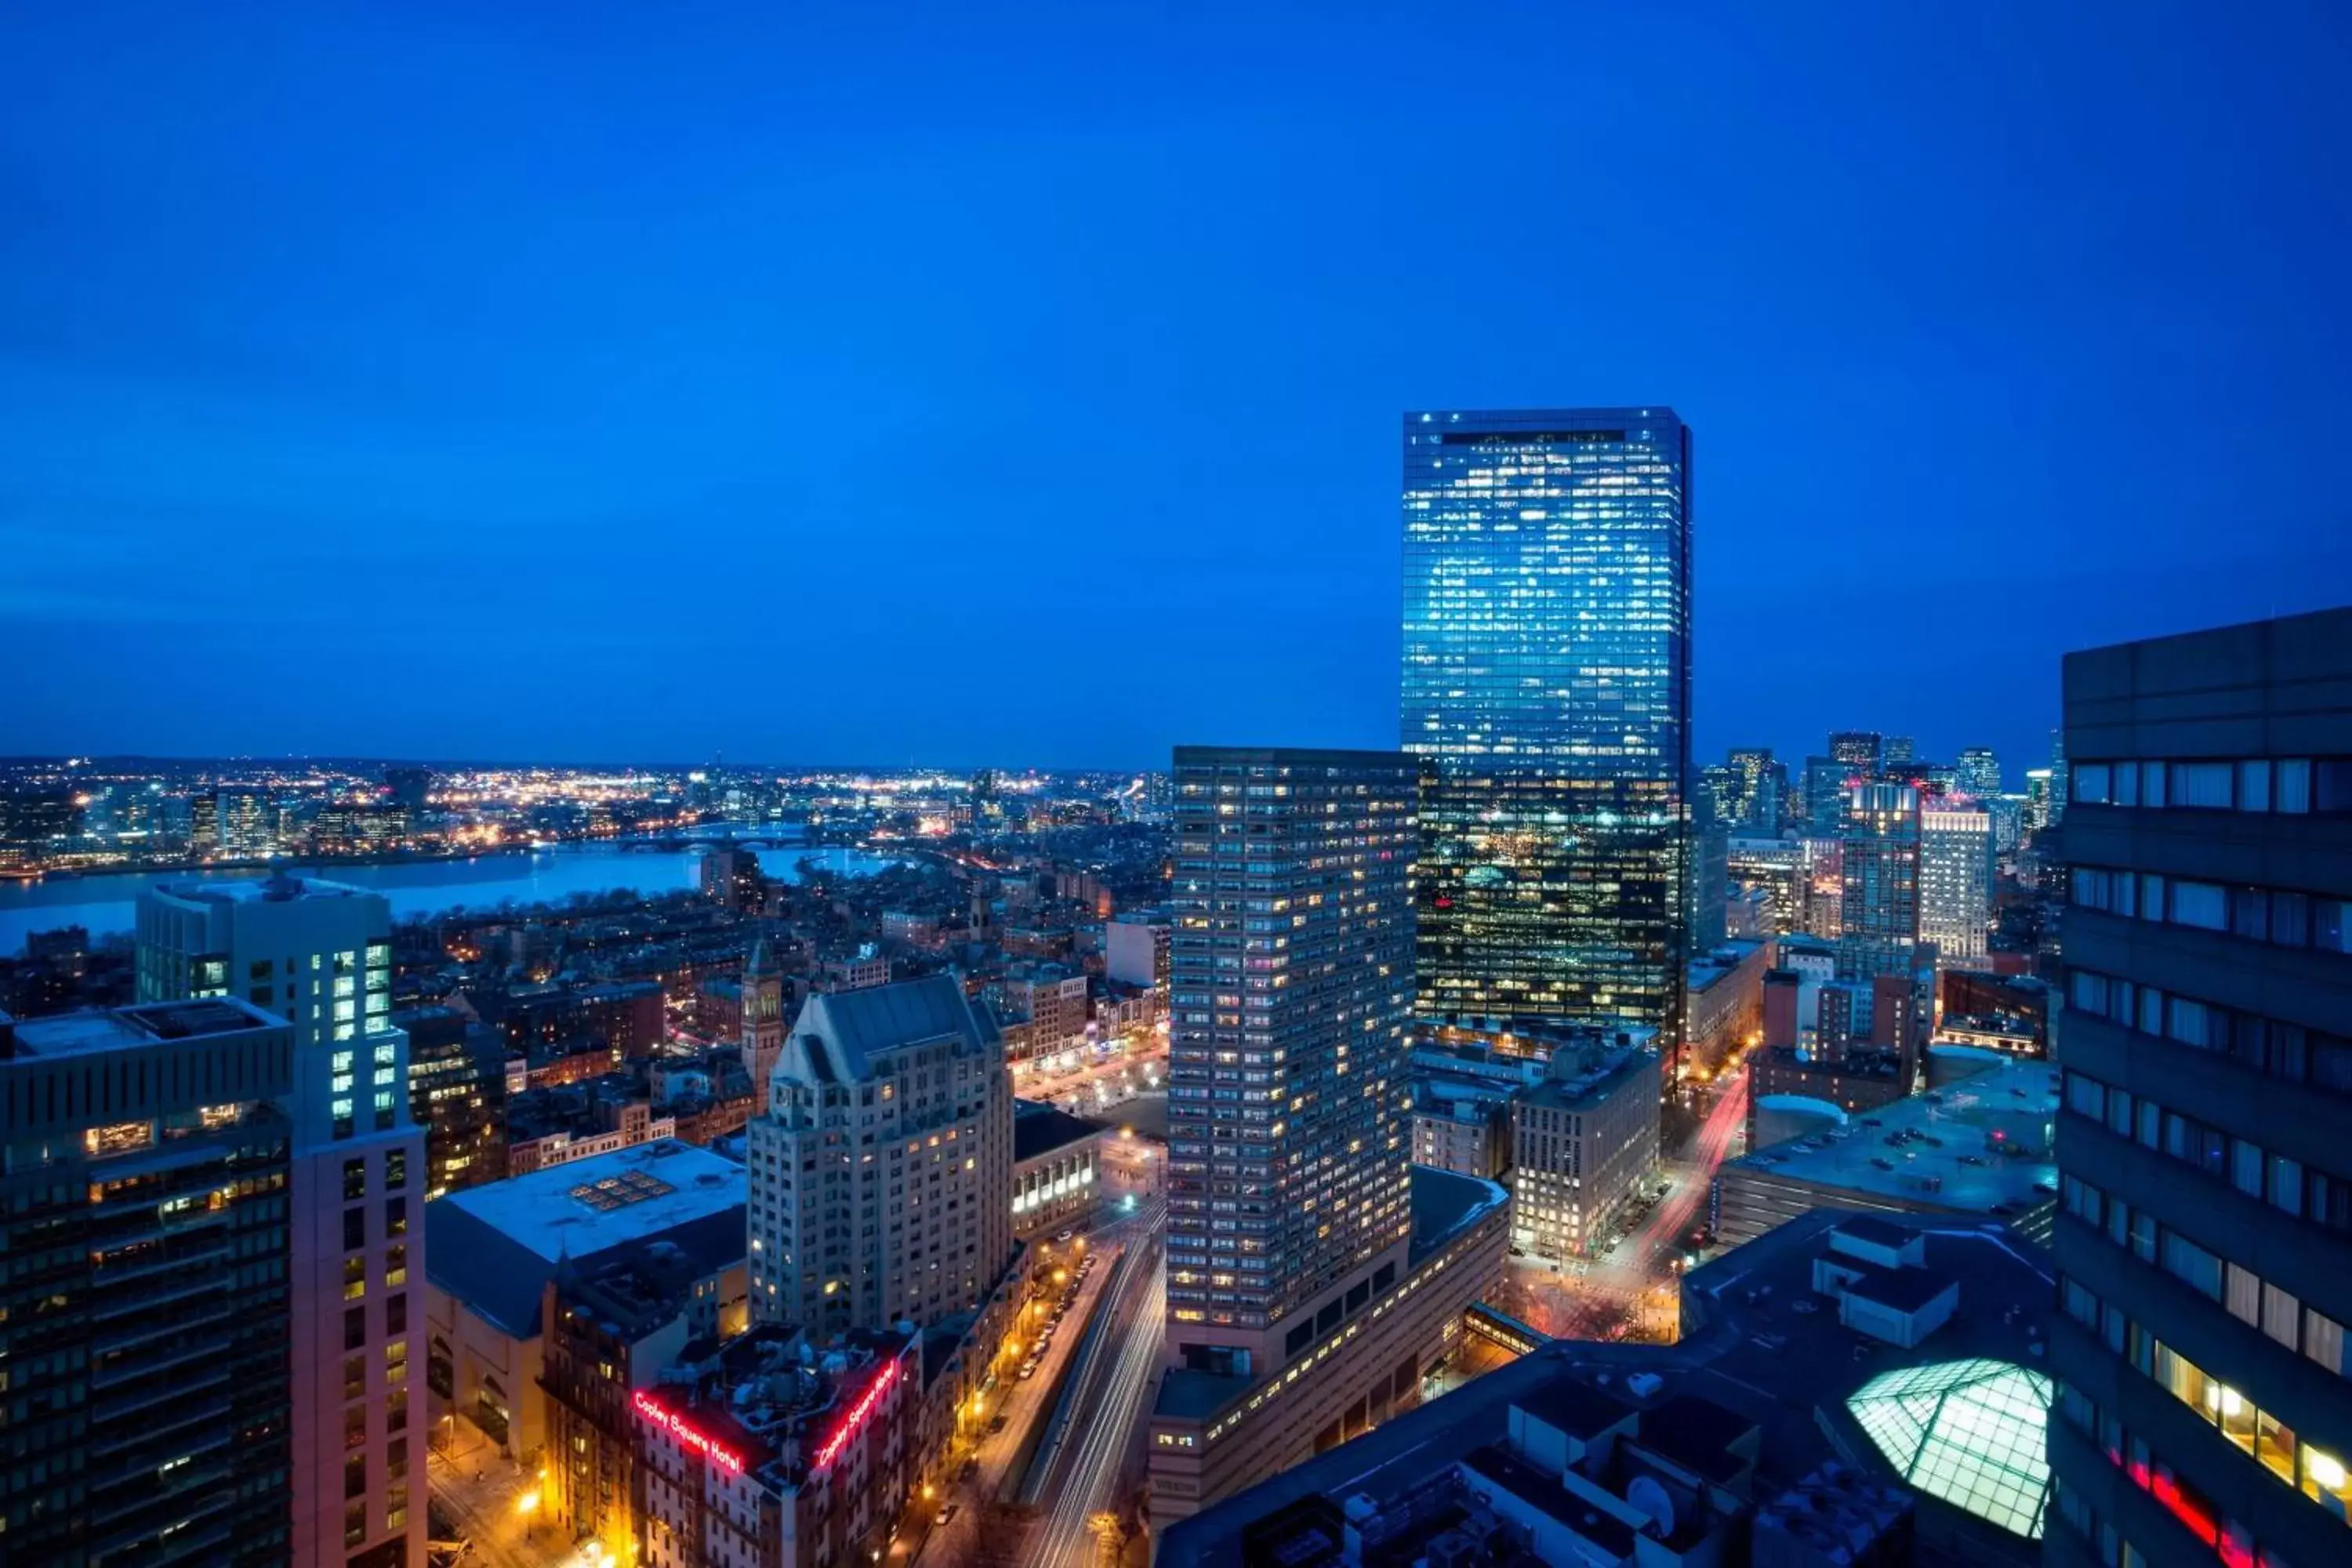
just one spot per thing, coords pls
(1630, 1291)
(494, 1504)
(1023, 1403)
(1116, 1387)
(1092, 1088)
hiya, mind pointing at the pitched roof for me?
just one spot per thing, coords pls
(839, 1033)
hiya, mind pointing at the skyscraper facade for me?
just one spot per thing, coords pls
(319, 954)
(1765, 783)
(1547, 674)
(2204, 1237)
(1858, 751)
(1291, 987)
(1979, 772)
(1878, 914)
(1955, 883)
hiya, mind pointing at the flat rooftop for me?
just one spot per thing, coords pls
(97, 1030)
(587, 1205)
(494, 1247)
(280, 889)
(1039, 1129)
(1948, 1148)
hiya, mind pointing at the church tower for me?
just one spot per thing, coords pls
(763, 1017)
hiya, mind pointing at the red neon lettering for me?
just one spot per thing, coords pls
(652, 1410)
(848, 1425)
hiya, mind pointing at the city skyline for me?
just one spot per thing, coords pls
(483, 408)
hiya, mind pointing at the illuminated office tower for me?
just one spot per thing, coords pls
(319, 954)
(1897, 752)
(2203, 1241)
(1979, 772)
(1547, 674)
(1878, 914)
(1766, 786)
(1955, 883)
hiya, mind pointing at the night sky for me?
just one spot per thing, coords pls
(884, 384)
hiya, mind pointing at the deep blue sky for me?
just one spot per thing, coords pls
(866, 384)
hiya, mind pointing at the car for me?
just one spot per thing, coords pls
(1066, 1235)
(1028, 1370)
(948, 1512)
(995, 1426)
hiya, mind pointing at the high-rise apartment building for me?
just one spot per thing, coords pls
(1955, 883)
(880, 1169)
(1290, 980)
(2204, 1238)
(1979, 772)
(146, 1234)
(1308, 1259)
(319, 954)
(1547, 674)
(1878, 911)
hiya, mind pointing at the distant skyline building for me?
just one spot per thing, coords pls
(319, 954)
(1878, 916)
(1955, 883)
(1764, 797)
(1860, 752)
(1979, 772)
(1546, 625)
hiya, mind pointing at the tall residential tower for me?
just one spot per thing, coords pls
(1547, 674)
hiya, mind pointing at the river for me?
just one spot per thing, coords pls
(107, 903)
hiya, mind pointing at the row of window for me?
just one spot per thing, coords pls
(2247, 1296)
(2277, 916)
(2286, 1185)
(2258, 1434)
(2289, 785)
(2288, 1052)
(2232, 1543)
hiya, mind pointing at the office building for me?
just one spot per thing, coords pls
(1300, 1237)
(319, 954)
(1859, 753)
(880, 1167)
(2061, 789)
(1878, 909)
(497, 1247)
(1827, 782)
(1547, 674)
(2205, 1229)
(1979, 774)
(148, 1411)
(1725, 1005)
(732, 879)
(1583, 1143)
(1955, 883)
(1462, 1126)
(1764, 789)
(1896, 755)
(2040, 810)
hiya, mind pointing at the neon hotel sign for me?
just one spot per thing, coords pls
(676, 1425)
(727, 1458)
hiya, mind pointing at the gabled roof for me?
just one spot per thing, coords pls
(839, 1033)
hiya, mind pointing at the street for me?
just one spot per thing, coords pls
(1023, 1402)
(1109, 1405)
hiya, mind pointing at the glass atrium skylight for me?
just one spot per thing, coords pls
(1970, 1432)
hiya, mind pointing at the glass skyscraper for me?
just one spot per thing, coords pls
(1547, 674)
